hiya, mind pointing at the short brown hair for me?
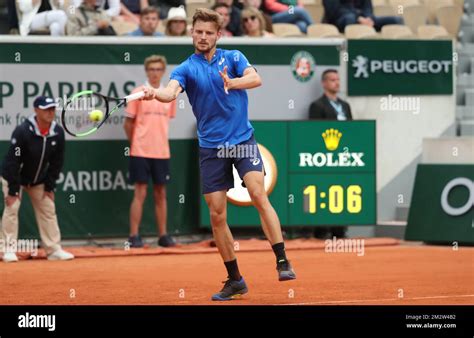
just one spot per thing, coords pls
(150, 10)
(155, 58)
(208, 15)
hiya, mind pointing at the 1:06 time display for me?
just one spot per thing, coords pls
(337, 197)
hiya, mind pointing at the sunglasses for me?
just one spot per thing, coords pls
(250, 18)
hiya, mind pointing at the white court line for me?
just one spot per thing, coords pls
(377, 300)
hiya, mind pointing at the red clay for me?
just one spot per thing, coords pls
(246, 245)
(425, 275)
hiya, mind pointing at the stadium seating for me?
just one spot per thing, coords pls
(465, 72)
(286, 30)
(360, 32)
(192, 5)
(450, 18)
(397, 32)
(432, 32)
(384, 10)
(316, 11)
(433, 5)
(314, 2)
(403, 3)
(415, 16)
(323, 31)
(123, 27)
(425, 19)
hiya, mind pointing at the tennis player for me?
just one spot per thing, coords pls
(215, 81)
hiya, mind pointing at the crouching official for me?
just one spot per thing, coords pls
(32, 164)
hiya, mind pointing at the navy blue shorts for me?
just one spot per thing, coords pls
(142, 168)
(216, 164)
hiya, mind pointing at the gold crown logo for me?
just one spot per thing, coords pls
(331, 138)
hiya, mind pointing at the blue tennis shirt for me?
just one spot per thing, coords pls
(221, 118)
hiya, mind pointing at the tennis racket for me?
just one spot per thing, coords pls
(85, 112)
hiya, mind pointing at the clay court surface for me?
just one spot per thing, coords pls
(426, 274)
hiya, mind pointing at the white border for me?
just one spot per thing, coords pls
(126, 40)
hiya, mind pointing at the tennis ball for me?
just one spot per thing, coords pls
(96, 115)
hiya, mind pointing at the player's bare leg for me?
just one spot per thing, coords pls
(161, 214)
(235, 285)
(270, 222)
(159, 194)
(217, 203)
(136, 211)
(254, 181)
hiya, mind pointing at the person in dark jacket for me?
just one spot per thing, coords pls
(12, 17)
(234, 25)
(348, 12)
(330, 107)
(33, 163)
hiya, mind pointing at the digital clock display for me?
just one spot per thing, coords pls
(332, 199)
(338, 199)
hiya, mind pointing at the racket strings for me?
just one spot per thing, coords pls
(84, 112)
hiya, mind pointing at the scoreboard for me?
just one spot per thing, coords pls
(317, 173)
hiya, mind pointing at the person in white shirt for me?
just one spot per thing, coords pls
(37, 15)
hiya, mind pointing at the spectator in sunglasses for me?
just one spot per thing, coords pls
(259, 5)
(253, 23)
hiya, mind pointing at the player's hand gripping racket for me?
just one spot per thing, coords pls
(85, 112)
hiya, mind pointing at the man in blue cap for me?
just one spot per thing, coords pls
(33, 163)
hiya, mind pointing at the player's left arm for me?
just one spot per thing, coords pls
(250, 79)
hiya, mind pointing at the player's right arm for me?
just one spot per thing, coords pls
(166, 94)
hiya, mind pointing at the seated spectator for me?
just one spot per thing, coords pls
(89, 20)
(259, 5)
(149, 20)
(37, 15)
(253, 23)
(165, 5)
(234, 25)
(112, 10)
(348, 12)
(130, 10)
(223, 10)
(289, 11)
(176, 24)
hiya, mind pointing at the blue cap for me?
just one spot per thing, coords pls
(43, 102)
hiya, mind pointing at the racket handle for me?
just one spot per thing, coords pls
(134, 96)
